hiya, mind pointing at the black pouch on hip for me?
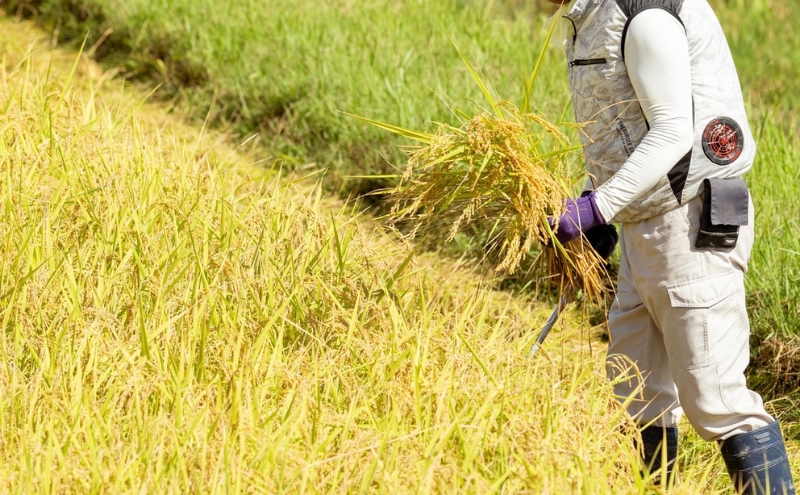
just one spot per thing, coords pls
(725, 208)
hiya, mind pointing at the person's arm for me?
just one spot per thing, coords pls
(657, 59)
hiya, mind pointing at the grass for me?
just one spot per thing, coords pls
(178, 319)
(765, 59)
(773, 295)
(775, 261)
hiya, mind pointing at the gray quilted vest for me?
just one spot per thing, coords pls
(605, 101)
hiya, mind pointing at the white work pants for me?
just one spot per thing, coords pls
(680, 316)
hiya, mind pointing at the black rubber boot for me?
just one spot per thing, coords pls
(757, 462)
(653, 438)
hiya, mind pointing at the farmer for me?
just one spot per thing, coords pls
(666, 142)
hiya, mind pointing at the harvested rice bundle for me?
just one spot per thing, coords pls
(507, 169)
(489, 169)
(578, 264)
(492, 171)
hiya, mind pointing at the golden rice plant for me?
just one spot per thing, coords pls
(507, 172)
(178, 320)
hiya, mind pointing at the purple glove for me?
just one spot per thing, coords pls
(580, 215)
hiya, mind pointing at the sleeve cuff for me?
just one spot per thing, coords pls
(604, 206)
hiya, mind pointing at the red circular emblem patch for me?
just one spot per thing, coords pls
(723, 140)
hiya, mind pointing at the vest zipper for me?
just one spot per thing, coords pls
(588, 61)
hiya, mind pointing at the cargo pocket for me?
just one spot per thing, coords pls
(702, 312)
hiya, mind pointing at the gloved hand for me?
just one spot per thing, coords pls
(580, 215)
(603, 239)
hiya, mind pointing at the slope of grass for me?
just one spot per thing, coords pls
(177, 320)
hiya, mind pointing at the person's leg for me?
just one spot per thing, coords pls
(715, 396)
(637, 365)
(697, 298)
(660, 452)
(716, 399)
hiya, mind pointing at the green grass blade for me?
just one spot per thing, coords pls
(525, 107)
(484, 89)
(422, 137)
